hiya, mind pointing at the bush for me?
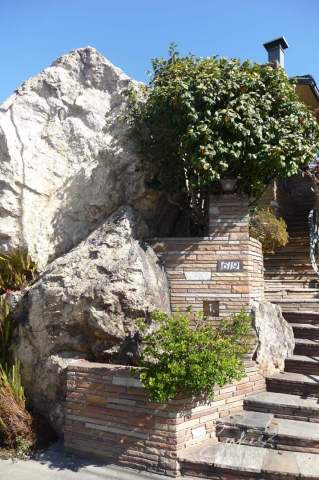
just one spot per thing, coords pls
(200, 119)
(16, 424)
(6, 331)
(268, 229)
(17, 269)
(15, 421)
(181, 357)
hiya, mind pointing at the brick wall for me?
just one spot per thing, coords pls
(109, 416)
(192, 263)
(228, 218)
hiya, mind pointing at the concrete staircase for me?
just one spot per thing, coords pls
(290, 280)
(277, 435)
(228, 461)
(301, 375)
(286, 416)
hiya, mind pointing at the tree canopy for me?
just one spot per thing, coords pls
(200, 119)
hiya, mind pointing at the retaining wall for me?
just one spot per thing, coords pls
(109, 416)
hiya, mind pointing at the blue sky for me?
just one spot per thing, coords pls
(131, 32)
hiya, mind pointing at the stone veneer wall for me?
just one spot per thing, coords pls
(269, 195)
(109, 416)
(191, 263)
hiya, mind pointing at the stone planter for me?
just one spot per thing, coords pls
(109, 416)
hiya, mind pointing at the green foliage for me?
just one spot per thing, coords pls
(268, 229)
(17, 269)
(24, 448)
(10, 377)
(6, 331)
(15, 422)
(188, 355)
(16, 425)
(201, 119)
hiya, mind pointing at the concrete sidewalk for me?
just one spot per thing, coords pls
(55, 465)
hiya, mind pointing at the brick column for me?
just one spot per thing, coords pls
(228, 217)
(222, 273)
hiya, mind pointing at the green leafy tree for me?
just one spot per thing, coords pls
(186, 354)
(200, 119)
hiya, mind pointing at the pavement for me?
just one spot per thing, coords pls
(54, 464)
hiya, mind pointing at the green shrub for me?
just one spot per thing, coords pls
(6, 331)
(16, 431)
(11, 377)
(181, 357)
(17, 269)
(268, 229)
(16, 424)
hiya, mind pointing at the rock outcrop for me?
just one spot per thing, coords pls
(66, 160)
(275, 337)
(70, 176)
(84, 306)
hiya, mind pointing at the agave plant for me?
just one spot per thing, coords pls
(17, 269)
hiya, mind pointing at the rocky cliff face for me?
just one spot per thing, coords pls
(66, 161)
(68, 170)
(69, 176)
(84, 306)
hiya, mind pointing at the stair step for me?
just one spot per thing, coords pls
(292, 295)
(265, 430)
(285, 272)
(294, 384)
(237, 462)
(300, 305)
(291, 282)
(305, 330)
(302, 317)
(304, 270)
(299, 252)
(308, 272)
(289, 258)
(290, 289)
(302, 364)
(283, 405)
(304, 346)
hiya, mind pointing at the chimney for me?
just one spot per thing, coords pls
(275, 49)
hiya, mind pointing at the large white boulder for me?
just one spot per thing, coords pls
(84, 306)
(66, 160)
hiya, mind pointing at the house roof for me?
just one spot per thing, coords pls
(309, 80)
(308, 91)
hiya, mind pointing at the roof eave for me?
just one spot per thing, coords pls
(310, 81)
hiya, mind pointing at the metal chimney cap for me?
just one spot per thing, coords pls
(280, 41)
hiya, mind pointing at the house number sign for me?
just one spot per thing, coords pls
(229, 266)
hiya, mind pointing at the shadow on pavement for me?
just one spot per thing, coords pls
(56, 458)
